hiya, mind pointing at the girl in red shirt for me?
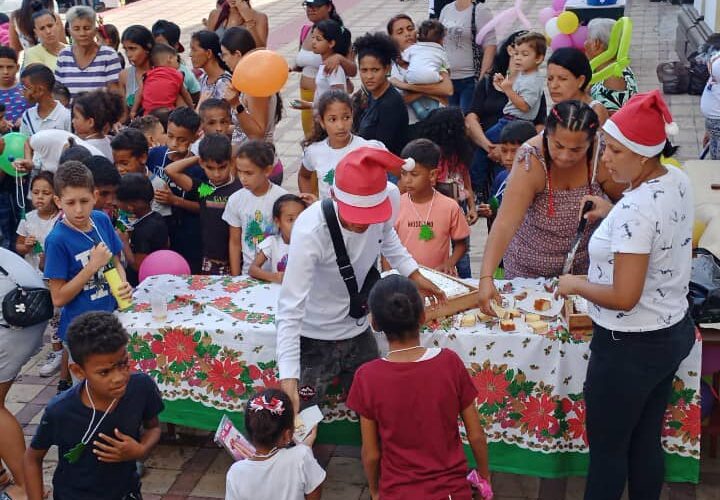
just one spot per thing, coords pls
(409, 402)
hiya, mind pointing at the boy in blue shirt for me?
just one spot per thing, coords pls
(97, 424)
(79, 249)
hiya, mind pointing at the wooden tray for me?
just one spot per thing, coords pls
(577, 322)
(455, 304)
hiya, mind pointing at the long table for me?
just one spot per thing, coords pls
(217, 346)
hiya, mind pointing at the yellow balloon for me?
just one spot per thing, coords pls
(568, 22)
(698, 230)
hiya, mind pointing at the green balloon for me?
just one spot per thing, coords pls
(14, 149)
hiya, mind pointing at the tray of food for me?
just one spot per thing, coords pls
(460, 295)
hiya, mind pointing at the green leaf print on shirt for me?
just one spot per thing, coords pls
(329, 177)
(257, 230)
(205, 190)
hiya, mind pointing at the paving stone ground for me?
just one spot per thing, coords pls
(193, 467)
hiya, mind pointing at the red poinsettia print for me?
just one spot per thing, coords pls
(491, 387)
(538, 413)
(225, 375)
(576, 425)
(179, 346)
(691, 421)
(222, 302)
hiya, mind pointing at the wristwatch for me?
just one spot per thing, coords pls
(240, 108)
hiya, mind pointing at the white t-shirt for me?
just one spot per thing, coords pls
(459, 38)
(656, 218)
(39, 228)
(710, 100)
(252, 214)
(48, 146)
(290, 474)
(324, 82)
(102, 145)
(321, 158)
(276, 251)
(58, 119)
(426, 60)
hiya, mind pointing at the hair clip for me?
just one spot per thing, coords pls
(274, 406)
(557, 115)
(408, 165)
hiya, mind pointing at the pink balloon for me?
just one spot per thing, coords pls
(561, 41)
(163, 262)
(545, 15)
(558, 5)
(579, 37)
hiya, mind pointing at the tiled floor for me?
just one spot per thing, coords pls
(193, 467)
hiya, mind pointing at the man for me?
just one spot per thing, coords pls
(318, 340)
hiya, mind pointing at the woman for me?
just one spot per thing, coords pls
(640, 263)
(386, 116)
(206, 54)
(85, 66)
(457, 17)
(137, 41)
(614, 91)
(239, 13)
(22, 29)
(568, 78)
(308, 62)
(254, 117)
(46, 51)
(538, 217)
(17, 346)
(486, 109)
(402, 30)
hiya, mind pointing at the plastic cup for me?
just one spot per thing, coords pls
(159, 306)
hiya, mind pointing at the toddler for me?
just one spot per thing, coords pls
(274, 249)
(276, 470)
(162, 86)
(420, 456)
(427, 59)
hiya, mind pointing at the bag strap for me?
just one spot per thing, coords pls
(473, 23)
(5, 273)
(341, 257)
(304, 32)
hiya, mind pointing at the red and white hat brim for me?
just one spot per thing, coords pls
(363, 209)
(614, 131)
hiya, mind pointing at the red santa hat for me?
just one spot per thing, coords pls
(360, 186)
(643, 124)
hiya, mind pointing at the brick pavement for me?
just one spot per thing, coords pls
(192, 467)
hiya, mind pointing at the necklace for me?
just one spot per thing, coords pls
(426, 232)
(92, 228)
(266, 455)
(76, 452)
(402, 350)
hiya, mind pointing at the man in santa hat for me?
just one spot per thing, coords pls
(323, 334)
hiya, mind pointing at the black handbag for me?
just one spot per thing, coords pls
(26, 306)
(477, 50)
(358, 298)
(704, 289)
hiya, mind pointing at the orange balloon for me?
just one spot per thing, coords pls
(261, 73)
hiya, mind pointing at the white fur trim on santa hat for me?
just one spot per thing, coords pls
(614, 131)
(360, 201)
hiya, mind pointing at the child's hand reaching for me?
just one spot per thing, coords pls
(472, 216)
(30, 241)
(485, 211)
(99, 257)
(308, 198)
(121, 449)
(448, 268)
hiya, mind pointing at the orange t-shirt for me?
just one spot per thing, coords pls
(446, 219)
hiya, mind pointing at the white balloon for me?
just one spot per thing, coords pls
(551, 28)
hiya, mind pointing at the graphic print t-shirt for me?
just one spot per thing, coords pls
(215, 231)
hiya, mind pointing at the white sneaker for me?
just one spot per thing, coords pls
(52, 365)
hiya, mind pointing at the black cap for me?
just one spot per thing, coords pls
(170, 31)
(316, 3)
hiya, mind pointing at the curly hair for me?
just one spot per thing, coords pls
(378, 45)
(105, 108)
(95, 333)
(446, 128)
(73, 174)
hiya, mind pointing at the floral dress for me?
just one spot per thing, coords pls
(540, 246)
(615, 99)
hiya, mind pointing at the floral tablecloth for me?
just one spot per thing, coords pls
(217, 346)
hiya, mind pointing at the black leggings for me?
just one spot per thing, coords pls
(627, 390)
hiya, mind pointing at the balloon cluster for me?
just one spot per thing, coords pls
(562, 27)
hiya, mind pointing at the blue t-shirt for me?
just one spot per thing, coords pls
(66, 420)
(158, 159)
(14, 101)
(67, 251)
(498, 186)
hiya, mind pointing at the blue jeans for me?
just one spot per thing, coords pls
(9, 219)
(463, 265)
(712, 127)
(463, 90)
(482, 173)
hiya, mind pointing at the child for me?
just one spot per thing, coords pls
(62, 94)
(428, 220)
(94, 114)
(328, 38)
(249, 211)
(125, 429)
(169, 33)
(47, 113)
(400, 458)
(109, 36)
(217, 162)
(511, 137)
(146, 231)
(184, 223)
(276, 470)
(130, 154)
(151, 127)
(38, 223)
(331, 140)
(215, 118)
(11, 94)
(427, 59)
(107, 180)
(162, 86)
(274, 249)
(81, 246)
(525, 91)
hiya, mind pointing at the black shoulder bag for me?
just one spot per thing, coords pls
(358, 299)
(26, 306)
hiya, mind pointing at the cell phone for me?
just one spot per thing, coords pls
(296, 103)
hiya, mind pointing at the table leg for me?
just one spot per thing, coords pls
(552, 489)
(682, 491)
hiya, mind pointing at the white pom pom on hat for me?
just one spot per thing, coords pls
(672, 129)
(408, 165)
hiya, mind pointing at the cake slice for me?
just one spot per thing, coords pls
(521, 296)
(514, 313)
(484, 318)
(539, 326)
(531, 318)
(507, 325)
(500, 311)
(468, 320)
(542, 305)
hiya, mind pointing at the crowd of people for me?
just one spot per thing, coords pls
(133, 151)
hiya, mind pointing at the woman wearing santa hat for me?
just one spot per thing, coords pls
(322, 334)
(640, 263)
